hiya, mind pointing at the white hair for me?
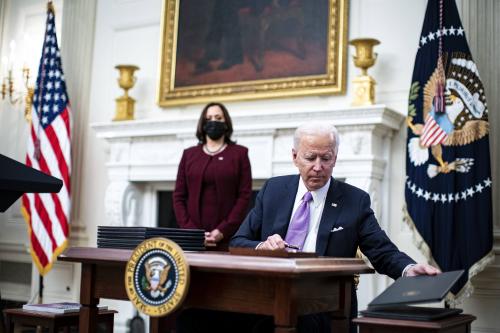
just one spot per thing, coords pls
(317, 128)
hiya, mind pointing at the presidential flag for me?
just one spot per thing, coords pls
(448, 180)
(49, 148)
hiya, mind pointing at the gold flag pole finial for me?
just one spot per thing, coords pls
(50, 5)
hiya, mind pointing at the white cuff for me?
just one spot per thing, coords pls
(404, 270)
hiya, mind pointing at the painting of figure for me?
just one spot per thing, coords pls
(242, 46)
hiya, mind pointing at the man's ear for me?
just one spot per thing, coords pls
(294, 156)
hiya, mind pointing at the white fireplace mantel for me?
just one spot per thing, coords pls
(143, 152)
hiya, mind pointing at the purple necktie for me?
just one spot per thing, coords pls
(297, 230)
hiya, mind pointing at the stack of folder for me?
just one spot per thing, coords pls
(130, 237)
(393, 302)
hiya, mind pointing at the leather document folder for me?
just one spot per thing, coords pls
(246, 251)
(393, 302)
(17, 178)
(406, 312)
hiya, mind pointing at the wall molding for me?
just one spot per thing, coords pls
(78, 30)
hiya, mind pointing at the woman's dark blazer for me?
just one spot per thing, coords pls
(233, 185)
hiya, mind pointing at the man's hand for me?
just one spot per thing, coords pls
(422, 269)
(274, 242)
(213, 237)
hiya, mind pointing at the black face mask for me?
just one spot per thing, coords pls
(215, 129)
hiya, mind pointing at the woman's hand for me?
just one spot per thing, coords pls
(213, 237)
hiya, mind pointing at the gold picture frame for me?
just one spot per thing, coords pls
(228, 50)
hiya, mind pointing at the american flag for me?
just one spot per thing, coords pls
(49, 150)
(432, 133)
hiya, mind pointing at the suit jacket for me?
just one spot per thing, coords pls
(346, 223)
(233, 186)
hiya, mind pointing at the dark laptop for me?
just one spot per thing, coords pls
(393, 302)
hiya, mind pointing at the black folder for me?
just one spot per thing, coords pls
(393, 302)
(17, 179)
(407, 312)
(129, 237)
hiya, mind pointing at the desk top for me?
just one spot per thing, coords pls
(40, 314)
(225, 262)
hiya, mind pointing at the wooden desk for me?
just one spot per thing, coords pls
(454, 324)
(281, 287)
(52, 321)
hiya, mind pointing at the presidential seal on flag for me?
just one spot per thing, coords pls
(464, 121)
(448, 177)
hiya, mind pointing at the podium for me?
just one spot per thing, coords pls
(284, 288)
(17, 179)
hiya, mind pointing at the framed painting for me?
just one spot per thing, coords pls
(227, 50)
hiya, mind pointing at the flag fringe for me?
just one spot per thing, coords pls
(418, 240)
(41, 269)
(468, 289)
(480, 265)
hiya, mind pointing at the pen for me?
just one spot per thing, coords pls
(290, 246)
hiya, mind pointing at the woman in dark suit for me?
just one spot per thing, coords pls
(214, 181)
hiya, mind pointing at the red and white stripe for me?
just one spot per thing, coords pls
(432, 133)
(48, 214)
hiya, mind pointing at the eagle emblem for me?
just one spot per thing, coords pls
(156, 276)
(464, 121)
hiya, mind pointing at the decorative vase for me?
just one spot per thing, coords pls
(125, 104)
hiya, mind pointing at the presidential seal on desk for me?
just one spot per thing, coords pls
(157, 277)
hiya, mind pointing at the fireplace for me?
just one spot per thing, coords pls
(144, 155)
(165, 211)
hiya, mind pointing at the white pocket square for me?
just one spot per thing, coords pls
(336, 229)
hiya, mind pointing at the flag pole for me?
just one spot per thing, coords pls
(39, 329)
(40, 289)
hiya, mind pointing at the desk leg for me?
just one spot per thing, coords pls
(88, 311)
(9, 323)
(154, 325)
(285, 314)
(340, 318)
(110, 323)
(52, 328)
(162, 324)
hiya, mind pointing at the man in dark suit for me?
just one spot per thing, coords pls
(338, 217)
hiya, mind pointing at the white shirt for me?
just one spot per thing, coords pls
(315, 211)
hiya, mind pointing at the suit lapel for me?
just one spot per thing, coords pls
(287, 199)
(331, 212)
